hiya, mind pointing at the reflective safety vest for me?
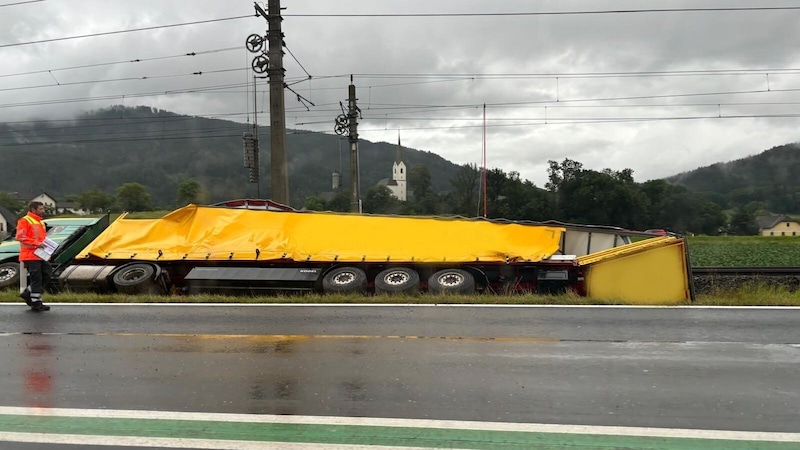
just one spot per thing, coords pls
(31, 232)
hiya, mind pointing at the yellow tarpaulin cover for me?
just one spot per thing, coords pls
(209, 233)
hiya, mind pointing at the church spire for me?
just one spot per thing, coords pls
(399, 157)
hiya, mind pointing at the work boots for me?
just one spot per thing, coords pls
(26, 295)
(39, 306)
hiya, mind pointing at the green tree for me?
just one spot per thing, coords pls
(422, 201)
(603, 198)
(743, 223)
(463, 198)
(94, 200)
(713, 219)
(12, 203)
(379, 200)
(314, 203)
(340, 202)
(559, 173)
(419, 180)
(191, 191)
(133, 197)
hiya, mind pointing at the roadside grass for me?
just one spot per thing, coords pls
(761, 294)
(751, 294)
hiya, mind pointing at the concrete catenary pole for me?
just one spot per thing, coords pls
(355, 182)
(279, 174)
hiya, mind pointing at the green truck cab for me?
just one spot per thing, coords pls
(72, 234)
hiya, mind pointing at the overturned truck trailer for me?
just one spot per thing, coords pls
(206, 249)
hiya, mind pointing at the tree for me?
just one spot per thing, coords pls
(713, 219)
(743, 223)
(379, 200)
(12, 203)
(559, 173)
(340, 202)
(191, 191)
(419, 180)
(133, 197)
(314, 203)
(463, 197)
(603, 198)
(94, 200)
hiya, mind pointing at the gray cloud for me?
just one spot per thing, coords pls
(531, 119)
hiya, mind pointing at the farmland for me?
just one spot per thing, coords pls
(760, 251)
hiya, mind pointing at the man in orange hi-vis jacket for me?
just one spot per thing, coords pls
(31, 233)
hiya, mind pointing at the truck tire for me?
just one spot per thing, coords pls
(397, 280)
(9, 274)
(343, 280)
(136, 278)
(451, 281)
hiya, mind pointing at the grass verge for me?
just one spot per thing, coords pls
(761, 294)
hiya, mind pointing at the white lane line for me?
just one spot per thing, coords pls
(412, 423)
(127, 441)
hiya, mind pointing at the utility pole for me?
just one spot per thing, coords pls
(355, 181)
(277, 112)
(347, 123)
(271, 62)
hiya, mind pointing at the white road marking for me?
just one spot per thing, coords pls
(127, 441)
(412, 423)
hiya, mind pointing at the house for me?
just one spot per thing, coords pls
(777, 225)
(71, 208)
(8, 221)
(50, 204)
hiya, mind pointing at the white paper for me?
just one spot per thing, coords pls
(46, 250)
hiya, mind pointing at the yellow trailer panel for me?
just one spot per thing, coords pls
(653, 271)
(215, 234)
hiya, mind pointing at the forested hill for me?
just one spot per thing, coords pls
(772, 177)
(158, 149)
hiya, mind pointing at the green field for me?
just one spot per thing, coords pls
(762, 251)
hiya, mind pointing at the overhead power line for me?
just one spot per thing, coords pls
(142, 78)
(200, 134)
(20, 3)
(136, 60)
(557, 13)
(107, 33)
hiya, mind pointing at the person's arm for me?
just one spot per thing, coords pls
(26, 234)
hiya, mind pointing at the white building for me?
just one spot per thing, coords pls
(398, 182)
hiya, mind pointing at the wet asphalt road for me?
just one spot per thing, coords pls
(726, 369)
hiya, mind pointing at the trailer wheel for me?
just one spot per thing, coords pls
(451, 281)
(9, 274)
(137, 278)
(345, 280)
(397, 280)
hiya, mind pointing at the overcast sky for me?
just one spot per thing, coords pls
(656, 92)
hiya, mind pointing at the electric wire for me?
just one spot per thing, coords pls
(132, 30)
(20, 3)
(202, 134)
(557, 13)
(137, 60)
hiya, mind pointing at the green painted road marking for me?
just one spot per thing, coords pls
(363, 435)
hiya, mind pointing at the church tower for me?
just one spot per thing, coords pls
(398, 184)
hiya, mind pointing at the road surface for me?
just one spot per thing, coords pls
(732, 370)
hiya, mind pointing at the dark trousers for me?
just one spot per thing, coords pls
(40, 273)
